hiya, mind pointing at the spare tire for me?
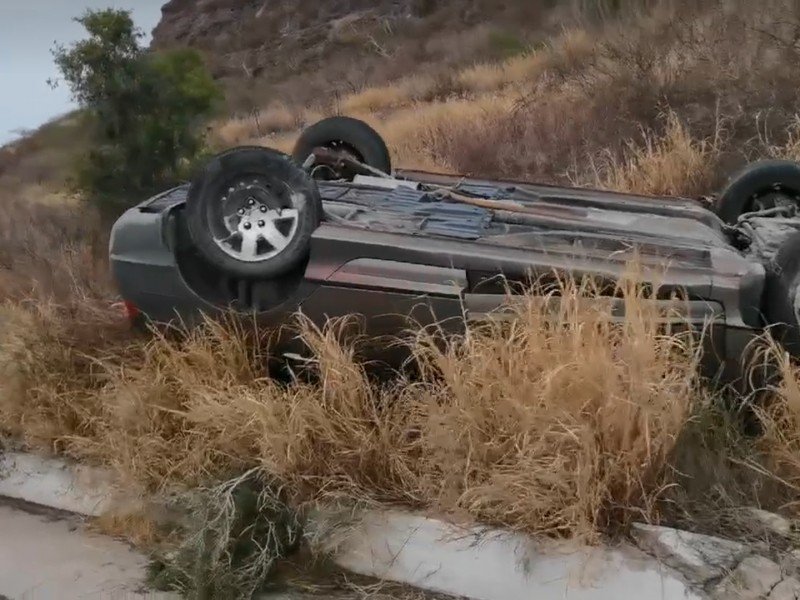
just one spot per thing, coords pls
(352, 136)
(756, 186)
(251, 212)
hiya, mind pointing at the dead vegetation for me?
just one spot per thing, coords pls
(571, 427)
(560, 424)
(242, 531)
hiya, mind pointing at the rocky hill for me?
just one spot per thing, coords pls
(297, 50)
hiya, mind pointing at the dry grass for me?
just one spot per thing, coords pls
(563, 423)
(51, 247)
(274, 119)
(671, 165)
(138, 528)
(559, 423)
(389, 96)
(790, 148)
(70, 340)
(780, 441)
(243, 529)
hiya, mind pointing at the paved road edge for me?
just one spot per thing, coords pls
(474, 563)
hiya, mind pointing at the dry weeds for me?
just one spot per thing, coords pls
(242, 530)
(560, 424)
(671, 165)
(780, 418)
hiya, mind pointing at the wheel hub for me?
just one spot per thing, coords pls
(257, 225)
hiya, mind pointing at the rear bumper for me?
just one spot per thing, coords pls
(145, 270)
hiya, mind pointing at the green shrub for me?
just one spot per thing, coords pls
(147, 110)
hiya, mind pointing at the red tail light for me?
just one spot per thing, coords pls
(131, 310)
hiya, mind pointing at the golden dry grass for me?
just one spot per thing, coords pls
(790, 148)
(671, 165)
(389, 96)
(780, 440)
(560, 423)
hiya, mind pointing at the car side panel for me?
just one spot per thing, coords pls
(335, 246)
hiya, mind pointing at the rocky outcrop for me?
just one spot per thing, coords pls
(247, 37)
(262, 48)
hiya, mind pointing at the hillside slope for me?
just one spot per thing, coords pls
(654, 96)
(297, 50)
(556, 90)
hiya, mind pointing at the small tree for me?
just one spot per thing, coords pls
(147, 110)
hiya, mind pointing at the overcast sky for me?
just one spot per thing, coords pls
(28, 31)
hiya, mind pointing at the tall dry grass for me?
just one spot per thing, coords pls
(51, 247)
(671, 165)
(557, 423)
(560, 423)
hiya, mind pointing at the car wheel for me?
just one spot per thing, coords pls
(345, 135)
(251, 212)
(760, 185)
(782, 294)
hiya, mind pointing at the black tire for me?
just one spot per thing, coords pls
(279, 175)
(347, 133)
(780, 293)
(759, 178)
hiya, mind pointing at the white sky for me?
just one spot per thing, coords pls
(28, 31)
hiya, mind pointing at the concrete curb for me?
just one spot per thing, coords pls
(485, 564)
(57, 484)
(475, 563)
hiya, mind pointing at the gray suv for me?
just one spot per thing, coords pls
(333, 230)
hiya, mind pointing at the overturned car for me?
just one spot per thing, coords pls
(333, 230)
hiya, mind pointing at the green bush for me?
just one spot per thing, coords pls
(147, 110)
